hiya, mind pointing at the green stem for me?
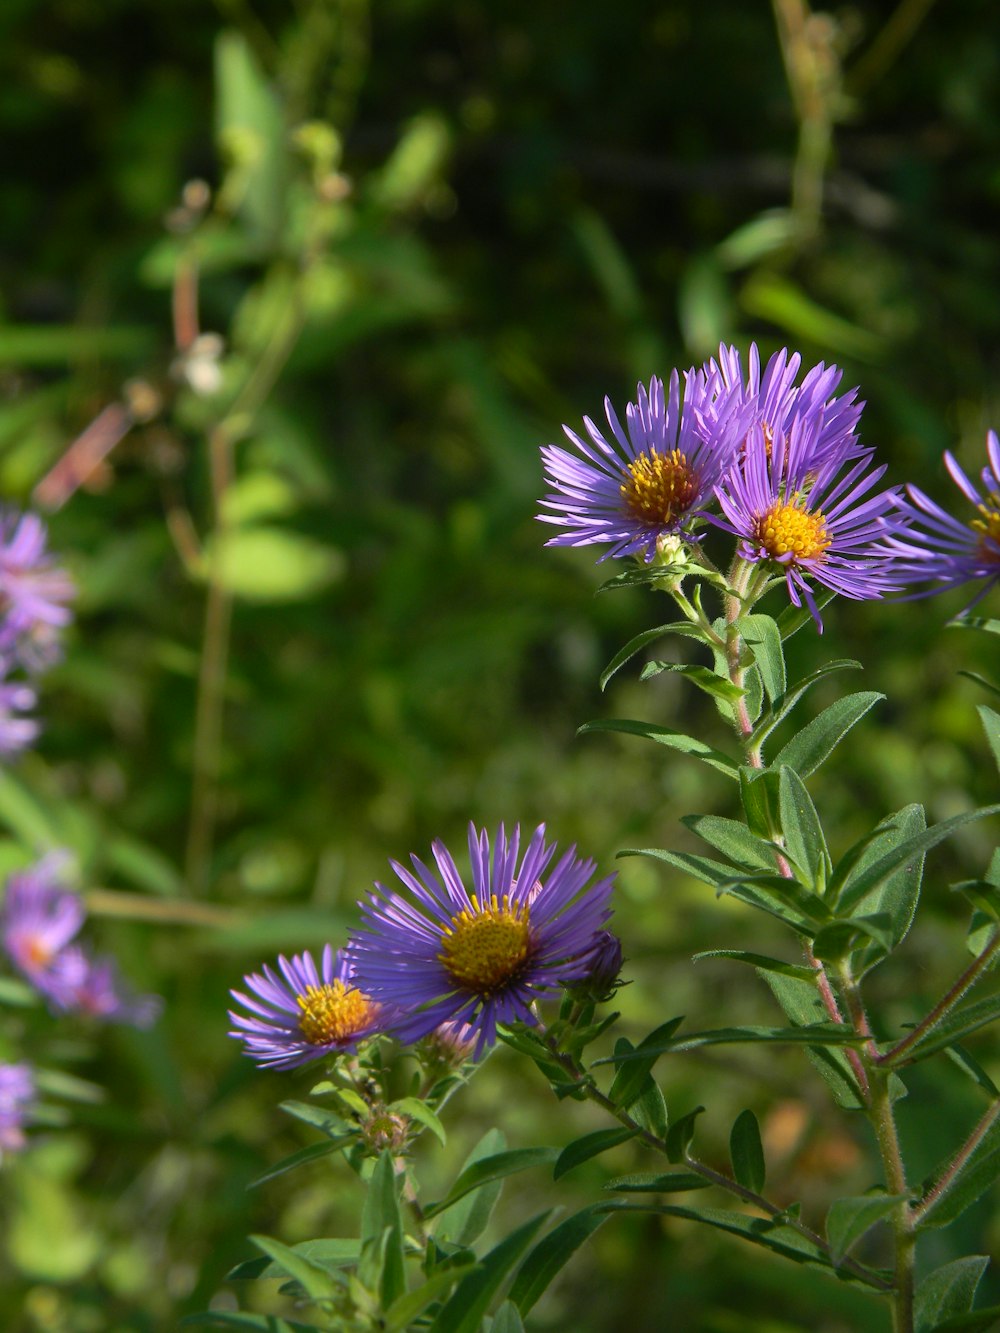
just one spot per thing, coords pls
(586, 1085)
(883, 1122)
(951, 997)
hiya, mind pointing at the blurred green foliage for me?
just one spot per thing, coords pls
(433, 232)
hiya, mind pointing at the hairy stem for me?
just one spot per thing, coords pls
(948, 1001)
(947, 1177)
(884, 1123)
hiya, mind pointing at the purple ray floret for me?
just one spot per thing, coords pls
(34, 591)
(942, 551)
(774, 401)
(649, 479)
(811, 515)
(79, 983)
(17, 729)
(301, 1013)
(443, 952)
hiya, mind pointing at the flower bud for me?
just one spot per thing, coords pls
(601, 979)
(385, 1129)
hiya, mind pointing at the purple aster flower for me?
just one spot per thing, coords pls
(33, 590)
(655, 477)
(17, 731)
(39, 918)
(17, 1091)
(480, 956)
(775, 401)
(304, 1013)
(809, 517)
(939, 549)
(78, 983)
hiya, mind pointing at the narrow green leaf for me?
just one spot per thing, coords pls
(680, 1135)
(818, 738)
(551, 1255)
(802, 1006)
(328, 1253)
(842, 938)
(382, 1266)
(782, 707)
(991, 725)
(747, 1152)
(507, 1319)
(302, 1158)
(411, 1304)
(734, 840)
(976, 622)
(471, 1298)
(315, 1280)
(419, 1110)
(961, 1057)
(970, 1182)
(801, 828)
(649, 1182)
(720, 687)
(644, 639)
(976, 1321)
(675, 740)
(910, 849)
(955, 1025)
(759, 796)
(761, 634)
(849, 1219)
(633, 1064)
(761, 961)
(782, 1239)
(466, 1220)
(591, 1145)
(489, 1169)
(799, 899)
(949, 1290)
(320, 1117)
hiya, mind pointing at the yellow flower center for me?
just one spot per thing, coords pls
(660, 487)
(333, 1013)
(988, 526)
(486, 947)
(788, 530)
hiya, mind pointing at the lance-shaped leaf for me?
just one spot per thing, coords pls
(710, 682)
(591, 1145)
(381, 1267)
(551, 1255)
(666, 1182)
(329, 1253)
(813, 1034)
(643, 640)
(820, 737)
(802, 831)
(315, 1280)
(850, 1219)
(419, 1110)
(747, 1152)
(949, 1290)
(681, 1133)
(842, 938)
(788, 891)
(760, 960)
(471, 1299)
(507, 1319)
(782, 707)
(991, 725)
(403, 1311)
(734, 840)
(952, 1027)
(312, 1153)
(320, 1117)
(802, 1005)
(759, 793)
(762, 636)
(633, 1083)
(772, 1235)
(467, 1218)
(489, 1169)
(674, 740)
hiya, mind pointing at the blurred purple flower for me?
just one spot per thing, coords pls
(16, 730)
(33, 589)
(39, 918)
(804, 514)
(81, 984)
(17, 1091)
(939, 549)
(775, 401)
(480, 957)
(305, 1013)
(654, 478)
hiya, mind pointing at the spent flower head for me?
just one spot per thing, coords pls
(944, 551)
(809, 515)
(301, 1013)
(445, 952)
(651, 478)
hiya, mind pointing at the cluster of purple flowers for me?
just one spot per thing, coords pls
(39, 924)
(17, 1092)
(34, 593)
(777, 464)
(440, 957)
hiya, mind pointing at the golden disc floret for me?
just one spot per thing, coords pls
(332, 1013)
(485, 947)
(788, 529)
(660, 487)
(989, 526)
